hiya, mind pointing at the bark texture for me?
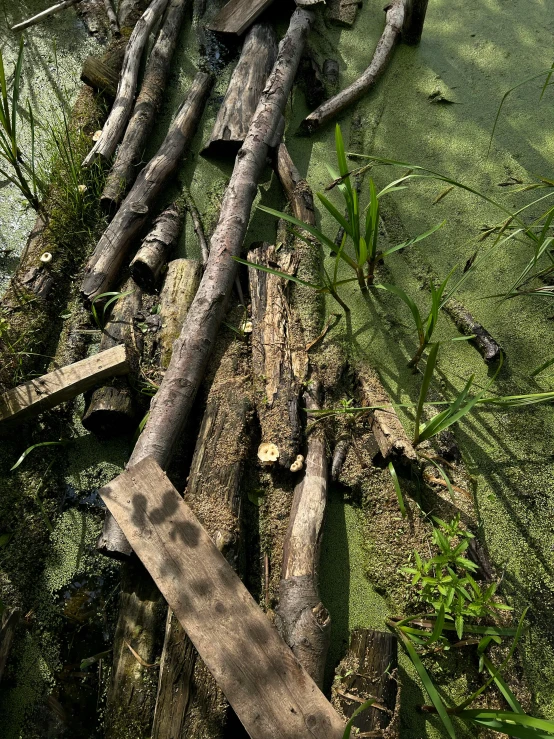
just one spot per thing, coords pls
(180, 286)
(147, 106)
(381, 58)
(343, 12)
(108, 257)
(102, 72)
(150, 261)
(112, 18)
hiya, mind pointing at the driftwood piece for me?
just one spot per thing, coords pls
(180, 286)
(44, 14)
(111, 409)
(238, 15)
(389, 433)
(302, 619)
(117, 120)
(102, 72)
(45, 392)
(243, 94)
(104, 265)
(269, 690)
(8, 624)
(414, 18)
(147, 106)
(487, 347)
(150, 260)
(369, 670)
(112, 18)
(342, 12)
(381, 57)
(279, 362)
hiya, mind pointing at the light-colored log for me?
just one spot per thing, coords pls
(238, 15)
(271, 693)
(44, 14)
(180, 286)
(112, 18)
(50, 390)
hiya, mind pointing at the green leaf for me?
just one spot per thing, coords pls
(363, 707)
(5, 540)
(509, 722)
(439, 623)
(397, 489)
(409, 302)
(414, 240)
(501, 684)
(95, 658)
(337, 215)
(459, 622)
(426, 382)
(277, 273)
(36, 446)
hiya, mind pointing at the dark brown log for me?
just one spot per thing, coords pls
(111, 409)
(147, 106)
(238, 15)
(112, 18)
(342, 12)
(109, 255)
(370, 670)
(302, 619)
(8, 624)
(114, 127)
(269, 690)
(466, 323)
(149, 262)
(180, 286)
(102, 72)
(414, 18)
(243, 94)
(381, 58)
(44, 14)
(129, 12)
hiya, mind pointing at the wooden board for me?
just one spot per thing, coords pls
(238, 15)
(63, 384)
(269, 690)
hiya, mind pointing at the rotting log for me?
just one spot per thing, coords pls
(110, 252)
(383, 53)
(369, 670)
(117, 120)
(150, 260)
(414, 18)
(342, 12)
(8, 624)
(112, 18)
(267, 687)
(42, 393)
(102, 72)
(243, 94)
(279, 359)
(180, 286)
(482, 340)
(238, 15)
(302, 619)
(111, 409)
(147, 106)
(44, 14)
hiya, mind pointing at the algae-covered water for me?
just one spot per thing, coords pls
(471, 53)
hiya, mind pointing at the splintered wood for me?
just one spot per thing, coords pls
(271, 693)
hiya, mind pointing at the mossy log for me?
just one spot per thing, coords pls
(147, 106)
(112, 18)
(180, 286)
(237, 16)
(150, 260)
(342, 12)
(102, 72)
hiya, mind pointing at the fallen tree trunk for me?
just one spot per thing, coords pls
(102, 72)
(112, 18)
(147, 106)
(45, 14)
(180, 286)
(238, 15)
(342, 12)
(269, 690)
(37, 396)
(302, 619)
(111, 409)
(381, 57)
(150, 260)
(117, 120)
(104, 265)
(243, 94)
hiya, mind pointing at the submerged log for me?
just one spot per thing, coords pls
(238, 15)
(302, 619)
(269, 690)
(8, 624)
(487, 347)
(414, 18)
(104, 265)
(147, 105)
(369, 670)
(43, 393)
(243, 94)
(44, 14)
(381, 57)
(150, 260)
(117, 120)
(180, 286)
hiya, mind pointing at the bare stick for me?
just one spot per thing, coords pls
(112, 17)
(45, 14)
(197, 225)
(381, 57)
(119, 115)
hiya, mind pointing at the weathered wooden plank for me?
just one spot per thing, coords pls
(269, 690)
(63, 384)
(238, 15)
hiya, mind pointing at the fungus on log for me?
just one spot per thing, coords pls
(104, 265)
(243, 94)
(180, 286)
(381, 57)
(44, 14)
(150, 260)
(117, 120)
(238, 15)
(302, 619)
(147, 105)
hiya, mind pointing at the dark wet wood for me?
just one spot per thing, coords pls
(150, 261)
(414, 18)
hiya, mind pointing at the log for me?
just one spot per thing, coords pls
(243, 94)
(102, 72)
(111, 409)
(487, 347)
(389, 433)
(112, 18)
(150, 261)
(369, 670)
(238, 15)
(180, 286)
(43, 393)
(269, 690)
(117, 120)
(381, 58)
(342, 12)
(147, 106)
(414, 18)
(8, 624)
(44, 14)
(302, 619)
(104, 265)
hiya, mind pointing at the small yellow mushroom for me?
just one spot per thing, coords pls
(96, 135)
(82, 188)
(247, 327)
(268, 453)
(297, 465)
(46, 257)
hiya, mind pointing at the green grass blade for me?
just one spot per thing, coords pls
(542, 367)
(15, 93)
(409, 302)
(341, 158)
(337, 215)
(360, 709)
(510, 723)
(36, 446)
(315, 232)
(510, 698)
(438, 627)
(277, 273)
(415, 239)
(398, 490)
(426, 382)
